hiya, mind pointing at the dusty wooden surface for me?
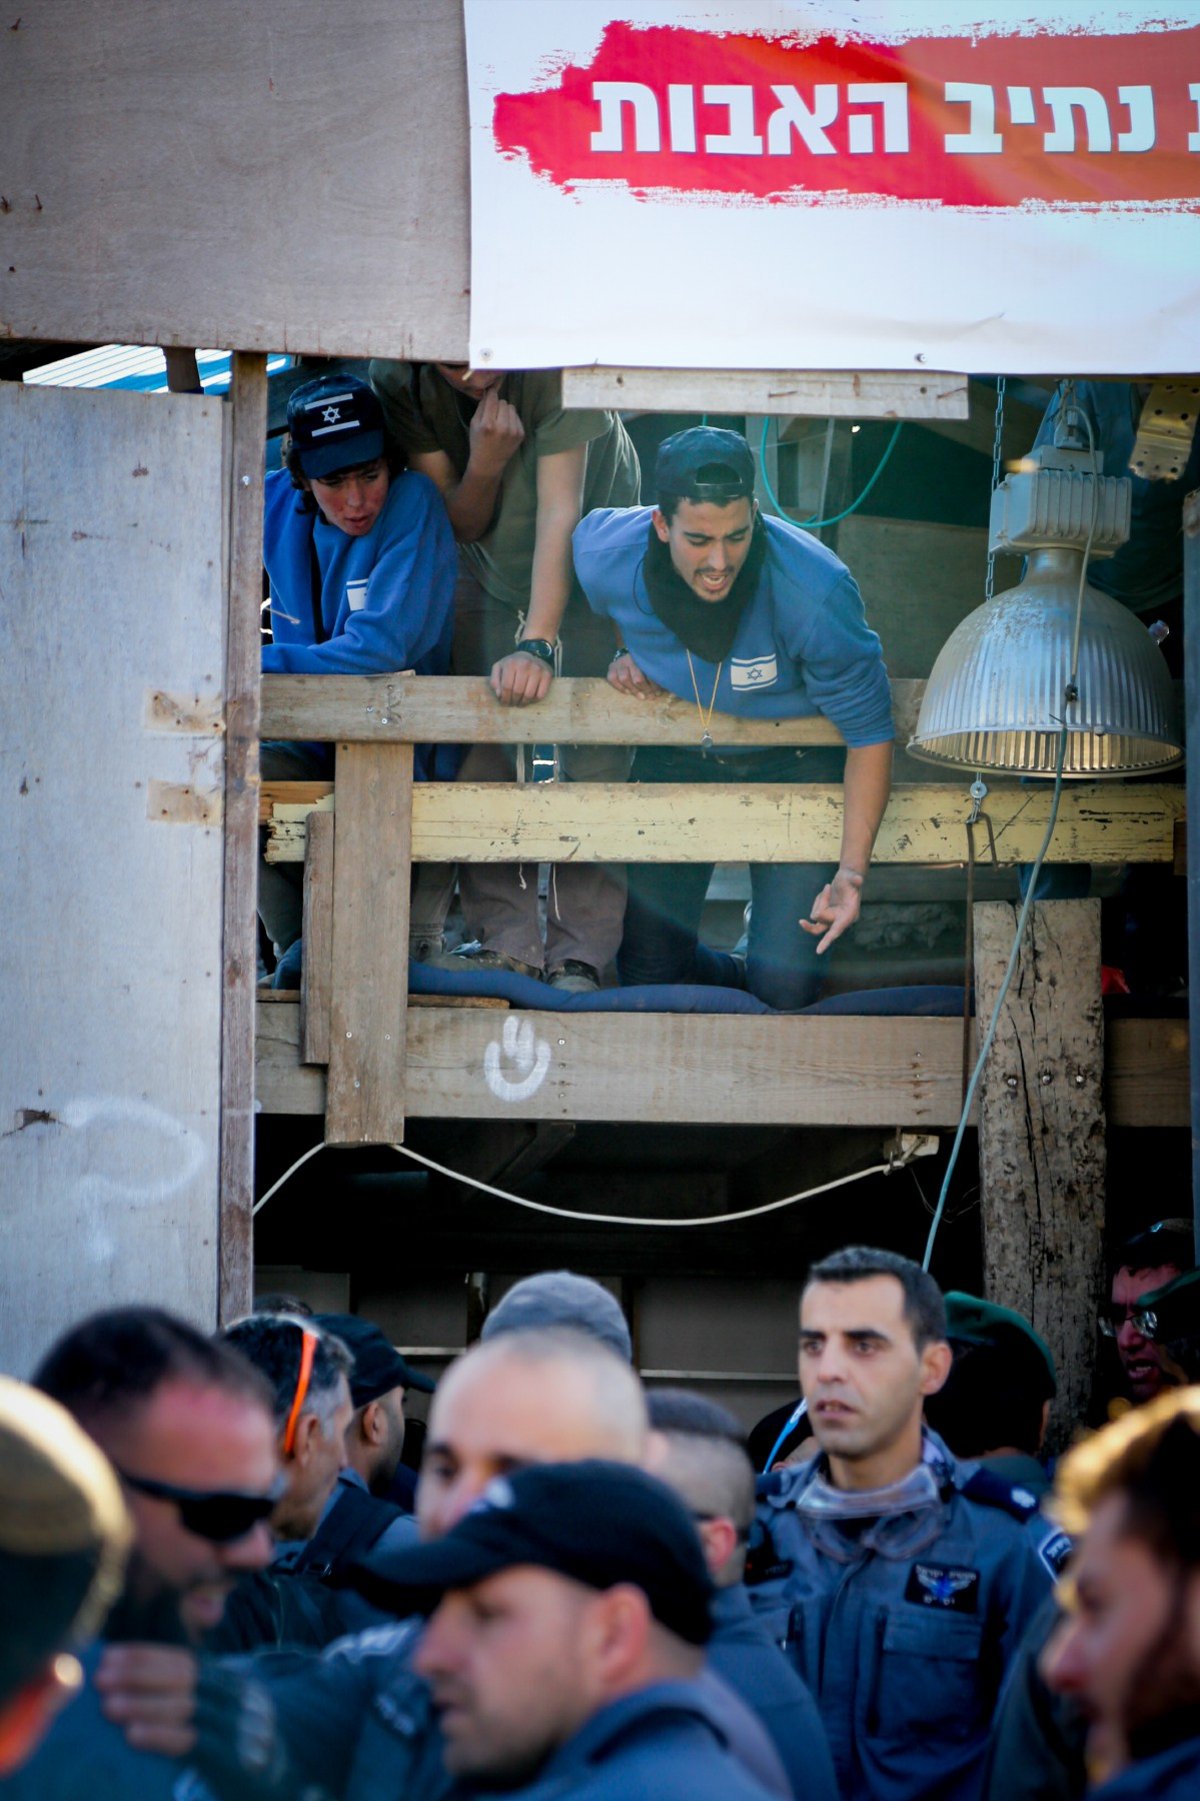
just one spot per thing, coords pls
(372, 873)
(837, 394)
(274, 176)
(244, 489)
(451, 709)
(317, 965)
(1101, 822)
(1042, 1153)
(840, 1072)
(113, 579)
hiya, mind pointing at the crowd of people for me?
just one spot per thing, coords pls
(222, 1581)
(447, 520)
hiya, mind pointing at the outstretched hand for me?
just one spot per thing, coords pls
(835, 909)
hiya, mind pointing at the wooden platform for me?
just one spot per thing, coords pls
(706, 1068)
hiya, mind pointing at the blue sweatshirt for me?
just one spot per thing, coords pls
(387, 599)
(803, 645)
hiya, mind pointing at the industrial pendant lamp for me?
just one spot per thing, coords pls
(1052, 651)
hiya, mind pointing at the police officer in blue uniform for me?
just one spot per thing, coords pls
(899, 1580)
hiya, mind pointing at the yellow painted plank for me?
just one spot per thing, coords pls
(1099, 822)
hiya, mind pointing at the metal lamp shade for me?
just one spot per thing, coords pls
(995, 699)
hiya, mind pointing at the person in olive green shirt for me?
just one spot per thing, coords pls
(517, 473)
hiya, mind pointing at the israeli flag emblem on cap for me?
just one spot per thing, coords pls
(753, 672)
(330, 406)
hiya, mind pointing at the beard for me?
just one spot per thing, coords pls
(147, 1611)
(1162, 1708)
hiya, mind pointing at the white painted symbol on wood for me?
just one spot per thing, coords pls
(518, 1054)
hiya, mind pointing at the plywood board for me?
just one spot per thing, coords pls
(547, 822)
(265, 177)
(651, 1066)
(112, 571)
(431, 709)
(820, 394)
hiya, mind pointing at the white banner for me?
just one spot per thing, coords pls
(759, 184)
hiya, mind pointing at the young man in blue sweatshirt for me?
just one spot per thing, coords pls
(751, 616)
(362, 566)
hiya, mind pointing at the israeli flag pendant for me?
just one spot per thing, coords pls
(706, 743)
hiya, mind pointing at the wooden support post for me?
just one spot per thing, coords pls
(372, 873)
(1042, 1157)
(316, 970)
(248, 393)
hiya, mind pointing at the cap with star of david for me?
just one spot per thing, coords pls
(335, 423)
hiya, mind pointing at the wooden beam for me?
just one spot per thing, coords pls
(239, 929)
(372, 876)
(820, 394)
(432, 709)
(1042, 1154)
(547, 822)
(316, 970)
(677, 1067)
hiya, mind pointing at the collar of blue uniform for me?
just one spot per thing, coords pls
(922, 1487)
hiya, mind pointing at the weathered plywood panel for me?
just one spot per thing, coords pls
(278, 176)
(112, 578)
(918, 581)
(1098, 822)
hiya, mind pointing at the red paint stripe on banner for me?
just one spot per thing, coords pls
(1074, 119)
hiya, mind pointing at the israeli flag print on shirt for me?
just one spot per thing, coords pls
(356, 595)
(753, 672)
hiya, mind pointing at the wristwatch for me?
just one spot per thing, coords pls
(541, 648)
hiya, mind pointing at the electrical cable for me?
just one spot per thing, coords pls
(596, 1219)
(1070, 696)
(809, 524)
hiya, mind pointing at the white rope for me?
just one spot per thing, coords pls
(596, 1219)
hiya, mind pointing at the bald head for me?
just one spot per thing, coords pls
(545, 1396)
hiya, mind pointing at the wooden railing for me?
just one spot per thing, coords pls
(385, 1059)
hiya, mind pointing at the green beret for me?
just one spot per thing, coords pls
(972, 1321)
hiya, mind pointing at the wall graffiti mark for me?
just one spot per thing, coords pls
(516, 1067)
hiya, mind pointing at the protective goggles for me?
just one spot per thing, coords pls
(220, 1517)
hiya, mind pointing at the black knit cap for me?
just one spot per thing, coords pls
(598, 1523)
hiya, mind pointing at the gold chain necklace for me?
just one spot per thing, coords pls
(706, 742)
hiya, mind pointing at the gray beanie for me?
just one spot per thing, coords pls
(557, 1297)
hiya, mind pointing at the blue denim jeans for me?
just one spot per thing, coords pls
(662, 916)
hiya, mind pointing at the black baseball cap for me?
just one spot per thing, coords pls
(705, 463)
(335, 422)
(378, 1365)
(596, 1522)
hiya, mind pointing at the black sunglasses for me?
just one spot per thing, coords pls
(219, 1517)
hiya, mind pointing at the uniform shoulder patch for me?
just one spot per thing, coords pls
(1055, 1553)
(993, 1491)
